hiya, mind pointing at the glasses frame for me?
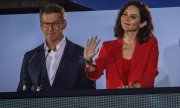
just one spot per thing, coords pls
(54, 24)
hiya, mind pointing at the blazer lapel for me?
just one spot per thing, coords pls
(135, 57)
(118, 57)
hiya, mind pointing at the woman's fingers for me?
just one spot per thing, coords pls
(87, 42)
(95, 39)
(97, 43)
(93, 42)
(96, 51)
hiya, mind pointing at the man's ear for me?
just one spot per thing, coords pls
(64, 24)
(41, 25)
(143, 24)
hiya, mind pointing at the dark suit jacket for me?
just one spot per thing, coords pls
(70, 74)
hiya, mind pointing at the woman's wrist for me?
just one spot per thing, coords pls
(89, 61)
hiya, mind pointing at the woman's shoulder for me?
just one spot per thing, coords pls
(112, 42)
(152, 39)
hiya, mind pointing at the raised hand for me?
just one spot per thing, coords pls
(91, 48)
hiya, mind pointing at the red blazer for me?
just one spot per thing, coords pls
(143, 64)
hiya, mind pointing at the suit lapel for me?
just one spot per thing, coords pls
(64, 62)
(43, 67)
(37, 65)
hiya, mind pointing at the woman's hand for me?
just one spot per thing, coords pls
(90, 49)
(135, 85)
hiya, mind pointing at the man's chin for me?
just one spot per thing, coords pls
(52, 35)
(51, 40)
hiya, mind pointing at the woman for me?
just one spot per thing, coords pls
(131, 60)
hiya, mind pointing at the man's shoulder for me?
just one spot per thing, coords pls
(74, 45)
(36, 49)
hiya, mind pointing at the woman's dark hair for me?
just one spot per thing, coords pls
(145, 15)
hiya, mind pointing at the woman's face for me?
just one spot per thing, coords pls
(131, 19)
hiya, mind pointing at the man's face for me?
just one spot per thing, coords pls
(52, 25)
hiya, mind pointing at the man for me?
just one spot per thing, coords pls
(56, 64)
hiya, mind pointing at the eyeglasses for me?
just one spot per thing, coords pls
(53, 24)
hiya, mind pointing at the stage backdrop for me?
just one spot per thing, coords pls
(20, 33)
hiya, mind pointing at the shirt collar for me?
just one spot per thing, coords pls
(63, 41)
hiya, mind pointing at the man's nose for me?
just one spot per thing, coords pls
(51, 27)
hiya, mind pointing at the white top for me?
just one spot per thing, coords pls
(53, 59)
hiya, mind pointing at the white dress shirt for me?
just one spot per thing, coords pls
(54, 58)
